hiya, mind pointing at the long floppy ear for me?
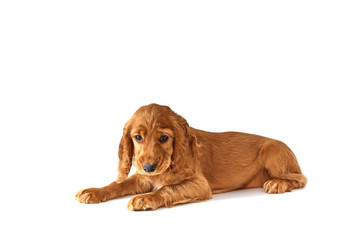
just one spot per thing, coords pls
(185, 145)
(125, 155)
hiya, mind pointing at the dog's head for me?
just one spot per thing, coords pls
(155, 139)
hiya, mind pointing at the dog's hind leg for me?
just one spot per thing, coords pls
(282, 167)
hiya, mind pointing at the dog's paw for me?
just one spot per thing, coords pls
(90, 195)
(277, 186)
(143, 202)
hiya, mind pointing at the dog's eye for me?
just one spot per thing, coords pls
(138, 138)
(163, 139)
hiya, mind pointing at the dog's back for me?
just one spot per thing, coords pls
(233, 160)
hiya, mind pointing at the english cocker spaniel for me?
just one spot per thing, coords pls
(178, 164)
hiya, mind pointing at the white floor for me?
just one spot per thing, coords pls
(318, 211)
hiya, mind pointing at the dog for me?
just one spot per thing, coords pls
(177, 164)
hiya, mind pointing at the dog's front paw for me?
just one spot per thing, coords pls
(91, 195)
(144, 202)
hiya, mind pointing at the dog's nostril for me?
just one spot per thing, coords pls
(149, 167)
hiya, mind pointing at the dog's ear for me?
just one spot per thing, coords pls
(185, 145)
(125, 153)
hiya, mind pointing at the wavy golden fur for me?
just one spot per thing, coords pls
(179, 164)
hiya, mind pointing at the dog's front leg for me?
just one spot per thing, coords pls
(134, 184)
(169, 195)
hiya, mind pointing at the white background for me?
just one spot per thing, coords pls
(73, 72)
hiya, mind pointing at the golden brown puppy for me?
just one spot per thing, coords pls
(179, 164)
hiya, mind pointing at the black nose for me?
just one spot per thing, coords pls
(149, 167)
